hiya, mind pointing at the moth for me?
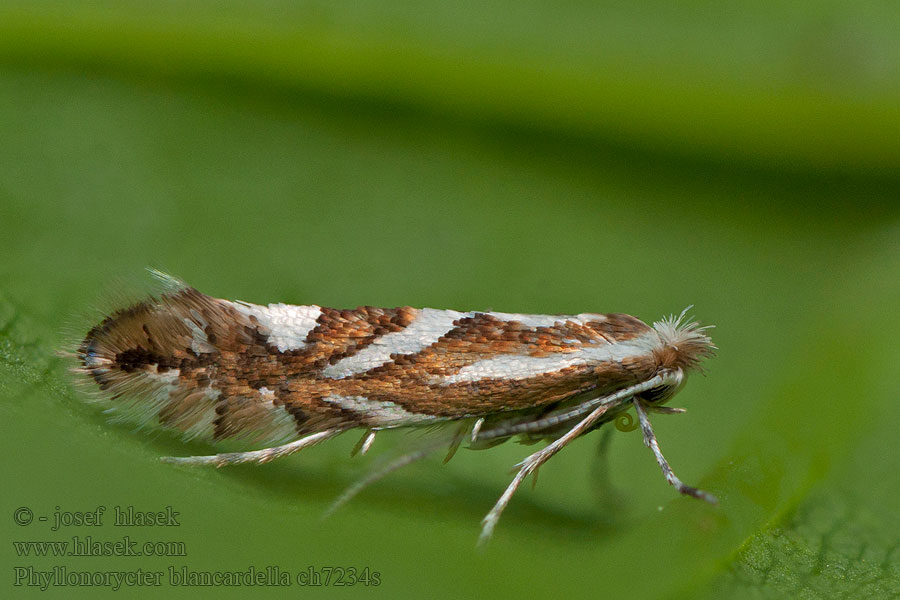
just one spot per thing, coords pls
(286, 377)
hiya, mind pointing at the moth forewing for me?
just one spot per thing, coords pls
(288, 377)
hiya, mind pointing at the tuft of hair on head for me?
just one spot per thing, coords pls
(684, 342)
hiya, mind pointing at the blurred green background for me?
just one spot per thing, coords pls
(743, 157)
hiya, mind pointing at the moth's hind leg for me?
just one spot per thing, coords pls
(260, 456)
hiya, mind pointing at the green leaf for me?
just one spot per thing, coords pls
(839, 540)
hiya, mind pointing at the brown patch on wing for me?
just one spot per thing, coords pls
(316, 413)
(619, 327)
(342, 333)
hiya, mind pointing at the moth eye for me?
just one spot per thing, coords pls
(658, 394)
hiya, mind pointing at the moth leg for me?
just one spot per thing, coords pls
(531, 464)
(261, 456)
(364, 443)
(490, 520)
(665, 410)
(476, 429)
(650, 442)
(461, 432)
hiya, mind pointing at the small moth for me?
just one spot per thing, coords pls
(287, 377)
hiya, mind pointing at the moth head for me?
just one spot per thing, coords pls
(683, 342)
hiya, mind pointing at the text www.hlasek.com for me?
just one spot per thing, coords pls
(87, 546)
